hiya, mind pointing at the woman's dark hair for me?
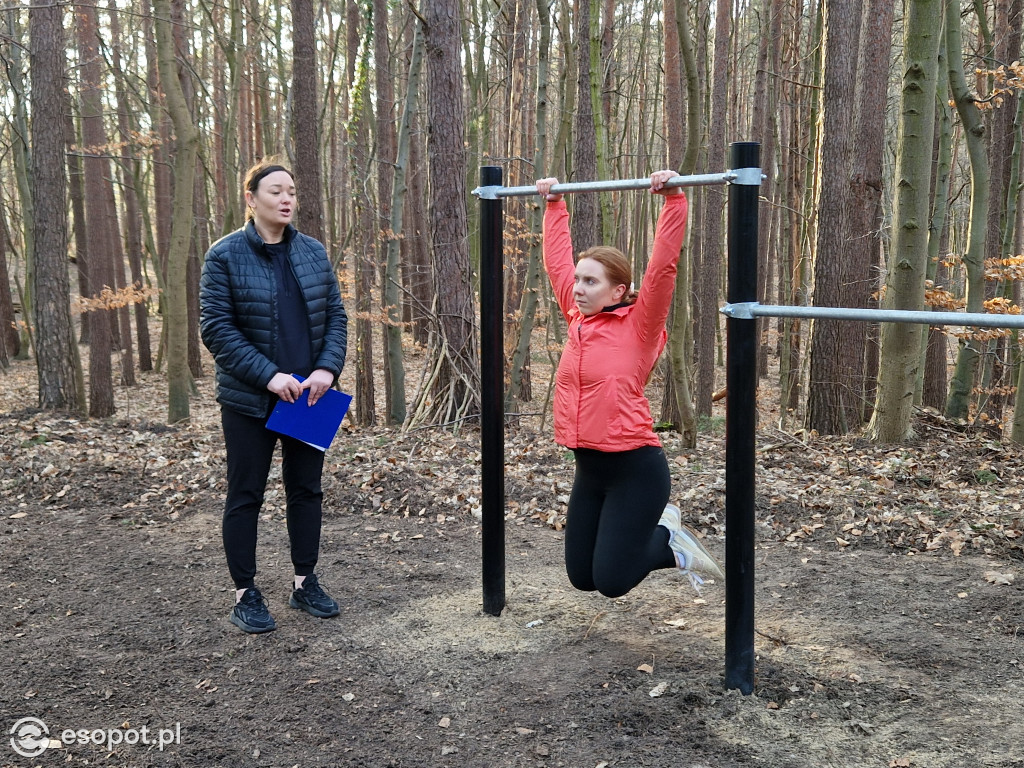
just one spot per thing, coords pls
(256, 174)
(616, 267)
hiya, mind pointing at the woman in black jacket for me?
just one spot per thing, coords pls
(270, 307)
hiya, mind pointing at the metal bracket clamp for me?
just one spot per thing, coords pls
(741, 310)
(747, 176)
(486, 193)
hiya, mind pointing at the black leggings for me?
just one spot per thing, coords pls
(612, 536)
(250, 449)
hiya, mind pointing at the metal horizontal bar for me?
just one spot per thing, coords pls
(753, 309)
(614, 185)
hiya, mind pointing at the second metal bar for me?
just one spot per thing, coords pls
(751, 310)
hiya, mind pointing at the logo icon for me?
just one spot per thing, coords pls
(30, 737)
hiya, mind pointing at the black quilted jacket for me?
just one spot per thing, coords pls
(238, 314)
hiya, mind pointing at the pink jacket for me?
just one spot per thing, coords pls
(608, 357)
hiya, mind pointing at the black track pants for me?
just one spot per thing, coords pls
(250, 450)
(612, 536)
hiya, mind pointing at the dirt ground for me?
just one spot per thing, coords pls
(889, 608)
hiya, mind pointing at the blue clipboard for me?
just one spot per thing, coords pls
(314, 425)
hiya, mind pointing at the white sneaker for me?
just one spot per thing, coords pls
(692, 557)
(671, 518)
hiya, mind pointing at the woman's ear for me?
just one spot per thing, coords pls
(619, 291)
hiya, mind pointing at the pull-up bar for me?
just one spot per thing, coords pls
(492, 192)
(744, 186)
(751, 310)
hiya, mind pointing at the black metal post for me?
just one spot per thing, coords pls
(492, 395)
(741, 385)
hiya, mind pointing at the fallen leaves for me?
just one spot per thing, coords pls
(999, 579)
(658, 690)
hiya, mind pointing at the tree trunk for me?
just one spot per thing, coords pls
(9, 341)
(19, 146)
(866, 189)
(387, 171)
(534, 268)
(186, 145)
(454, 390)
(974, 135)
(677, 405)
(364, 237)
(711, 262)
(397, 409)
(102, 323)
(933, 381)
(905, 281)
(831, 397)
(585, 223)
(128, 169)
(306, 119)
(61, 386)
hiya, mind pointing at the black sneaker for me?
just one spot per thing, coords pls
(250, 614)
(311, 598)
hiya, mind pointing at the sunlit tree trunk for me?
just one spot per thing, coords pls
(904, 283)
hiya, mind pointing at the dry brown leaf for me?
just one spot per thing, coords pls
(999, 579)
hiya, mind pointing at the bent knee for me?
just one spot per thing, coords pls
(612, 584)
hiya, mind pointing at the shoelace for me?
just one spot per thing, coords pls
(695, 580)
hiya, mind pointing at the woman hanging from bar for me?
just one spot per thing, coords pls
(620, 526)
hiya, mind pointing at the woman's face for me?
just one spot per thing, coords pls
(592, 289)
(273, 203)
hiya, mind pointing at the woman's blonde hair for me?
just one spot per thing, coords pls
(616, 267)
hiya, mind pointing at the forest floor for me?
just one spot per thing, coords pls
(889, 613)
